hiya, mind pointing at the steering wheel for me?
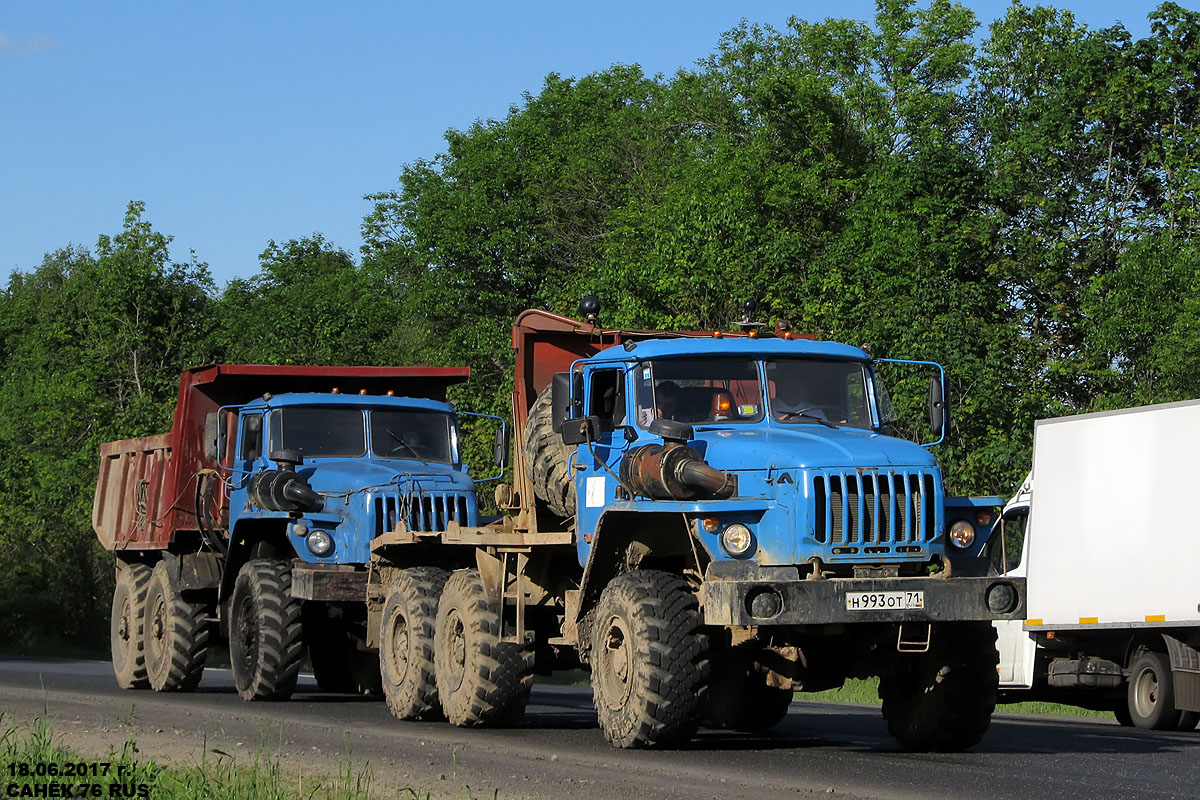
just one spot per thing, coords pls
(838, 413)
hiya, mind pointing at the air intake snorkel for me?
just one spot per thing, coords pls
(672, 470)
(282, 489)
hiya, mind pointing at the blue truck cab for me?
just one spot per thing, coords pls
(342, 470)
(776, 454)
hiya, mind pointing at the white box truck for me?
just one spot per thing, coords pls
(1106, 532)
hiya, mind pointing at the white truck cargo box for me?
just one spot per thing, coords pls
(1115, 530)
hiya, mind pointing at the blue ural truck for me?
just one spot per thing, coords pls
(251, 520)
(708, 522)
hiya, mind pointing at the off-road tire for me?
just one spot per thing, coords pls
(406, 643)
(1151, 695)
(176, 635)
(126, 624)
(649, 660)
(480, 679)
(738, 696)
(943, 700)
(265, 634)
(547, 459)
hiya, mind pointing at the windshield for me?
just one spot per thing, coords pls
(698, 390)
(815, 391)
(420, 435)
(319, 432)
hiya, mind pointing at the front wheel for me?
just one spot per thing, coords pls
(406, 643)
(649, 660)
(176, 635)
(942, 700)
(481, 680)
(265, 641)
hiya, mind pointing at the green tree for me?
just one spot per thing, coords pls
(92, 348)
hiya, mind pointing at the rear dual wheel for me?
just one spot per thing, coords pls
(176, 634)
(406, 643)
(1151, 696)
(481, 680)
(127, 625)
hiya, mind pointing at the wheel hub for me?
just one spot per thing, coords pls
(1146, 692)
(399, 649)
(248, 634)
(616, 664)
(456, 648)
(123, 623)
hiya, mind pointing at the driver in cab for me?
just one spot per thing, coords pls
(792, 403)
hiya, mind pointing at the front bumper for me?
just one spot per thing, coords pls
(726, 598)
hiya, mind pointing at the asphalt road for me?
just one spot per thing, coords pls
(558, 751)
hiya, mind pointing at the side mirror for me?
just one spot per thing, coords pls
(562, 404)
(500, 447)
(939, 409)
(578, 431)
(214, 436)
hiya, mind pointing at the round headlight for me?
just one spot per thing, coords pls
(320, 543)
(737, 540)
(962, 534)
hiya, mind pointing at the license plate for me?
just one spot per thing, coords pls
(884, 601)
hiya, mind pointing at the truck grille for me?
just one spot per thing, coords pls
(420, 512)
(875, 508)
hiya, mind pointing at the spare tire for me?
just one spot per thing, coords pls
(547, 458)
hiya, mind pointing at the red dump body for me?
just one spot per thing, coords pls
(546, 343)
(146, 490)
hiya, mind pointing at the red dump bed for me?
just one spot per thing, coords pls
(146, 490)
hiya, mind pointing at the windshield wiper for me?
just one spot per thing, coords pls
(802, 415)
(405, 445)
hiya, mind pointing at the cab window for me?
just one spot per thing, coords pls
(252, 429)
(607, 399)
(1006, 551)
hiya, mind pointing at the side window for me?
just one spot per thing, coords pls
(1007, 545)
(607, 399)
(252, 434)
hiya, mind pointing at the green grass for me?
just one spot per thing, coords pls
(217, 775)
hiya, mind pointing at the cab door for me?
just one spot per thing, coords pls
(1007, 551)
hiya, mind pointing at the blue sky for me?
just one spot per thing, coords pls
(242, 122)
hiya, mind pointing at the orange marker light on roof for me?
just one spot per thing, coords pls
(362, 391)
(391, 392)
(717, 334)
(336, 390)
(753, 334)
